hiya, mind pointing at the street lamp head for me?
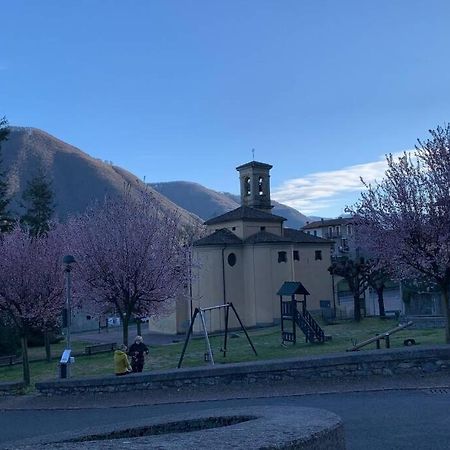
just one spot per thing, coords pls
(68, 259)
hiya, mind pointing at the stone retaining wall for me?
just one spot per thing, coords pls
(410, 360)
(11, 388)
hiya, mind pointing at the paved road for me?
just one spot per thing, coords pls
(412, 419)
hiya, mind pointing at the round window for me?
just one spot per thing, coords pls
(231, 259)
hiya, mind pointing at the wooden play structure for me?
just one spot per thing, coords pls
(200, 312)
(294, 314)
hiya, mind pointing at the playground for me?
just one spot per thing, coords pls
(165, 354)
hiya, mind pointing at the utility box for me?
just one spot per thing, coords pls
(64, 362)
(326, 310)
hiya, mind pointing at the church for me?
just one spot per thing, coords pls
(247, 256)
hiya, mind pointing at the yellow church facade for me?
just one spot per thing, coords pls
(248, 254)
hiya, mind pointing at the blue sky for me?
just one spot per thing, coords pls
(183, 90)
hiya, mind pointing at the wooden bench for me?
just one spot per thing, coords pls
(8, 360)
(100, 348)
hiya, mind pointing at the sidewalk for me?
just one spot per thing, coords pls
(429, 383)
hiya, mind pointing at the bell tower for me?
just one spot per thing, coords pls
(255, 185)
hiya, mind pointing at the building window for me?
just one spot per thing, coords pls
(282, 257)
(262, 228)
(338, 230)
(260, 186)
(315, 232)
(318, 255)
(296, 256)
(233, 228)
(247, 186)
(349, 229)
(231, 259)
(330, 231)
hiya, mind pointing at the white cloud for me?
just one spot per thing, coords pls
(327, 193)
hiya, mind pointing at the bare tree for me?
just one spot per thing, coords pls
(355, 273)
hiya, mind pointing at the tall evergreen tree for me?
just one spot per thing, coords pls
(38, 199)
(5, 217)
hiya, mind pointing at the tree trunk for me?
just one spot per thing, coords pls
(357, 307)
(125, 329)
(25, 362)
(48, 353)
(381, 301)
(444, 293)
(138, 326)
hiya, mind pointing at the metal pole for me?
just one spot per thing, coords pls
(68, 304)
(67, 261)
(242, 326)
(202, 317)
(188, 334)
(227, 309)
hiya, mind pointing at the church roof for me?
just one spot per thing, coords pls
(265, 237)
(226, 237)
(245, 213)
(219, 237)
(255, 164)
(303, 238)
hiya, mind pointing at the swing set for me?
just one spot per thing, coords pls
(201, 312)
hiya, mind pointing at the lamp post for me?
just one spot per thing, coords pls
(66, 359)
(68, 260)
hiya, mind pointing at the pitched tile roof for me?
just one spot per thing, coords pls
(304, 238)
(226, 237)
(265, 237)
(328, 222)
(245, 213)
(219, 237)
(255, 164)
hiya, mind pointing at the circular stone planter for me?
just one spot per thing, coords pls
(227, 428)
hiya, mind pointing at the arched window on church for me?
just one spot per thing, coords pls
(260, 186)
(247, 186)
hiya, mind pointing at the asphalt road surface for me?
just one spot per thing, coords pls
(404, 419)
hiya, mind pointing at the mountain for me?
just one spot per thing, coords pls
(77, 178)
(207, 203)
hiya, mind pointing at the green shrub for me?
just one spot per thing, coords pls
(9, 339)
(36, 338)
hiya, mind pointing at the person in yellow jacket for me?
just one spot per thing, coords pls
(121, 363)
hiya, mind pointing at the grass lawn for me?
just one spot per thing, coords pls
(267, 342)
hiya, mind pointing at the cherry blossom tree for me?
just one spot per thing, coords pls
(31, 283)
(131, 259)
(407, 214)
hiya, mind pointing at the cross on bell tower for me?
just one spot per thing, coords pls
(255, 185)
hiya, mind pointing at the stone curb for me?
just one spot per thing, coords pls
(264, 427)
